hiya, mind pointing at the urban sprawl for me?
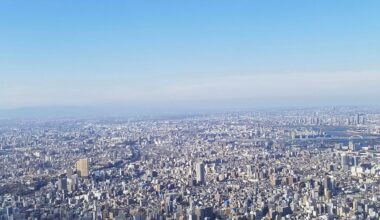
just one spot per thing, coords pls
(277, 164)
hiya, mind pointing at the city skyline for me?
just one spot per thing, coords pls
(198, 110)
(260, 165)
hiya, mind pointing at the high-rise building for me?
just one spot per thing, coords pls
(345, 162)
(71, 183)
(82, 167)
(62, 184)
(200, 171)
(328, 183)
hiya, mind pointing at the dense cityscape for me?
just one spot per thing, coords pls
(277, 164)
(189, 110)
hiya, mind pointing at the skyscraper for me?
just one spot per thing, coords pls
(345, 162)
(200, 171)
(62, 184)
(82, 167)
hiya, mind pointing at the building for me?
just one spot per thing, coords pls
(200, 171)
(249, 170)
(82, 167)
(345, 162)
(62, 184)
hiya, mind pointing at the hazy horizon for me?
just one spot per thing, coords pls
(187, 56)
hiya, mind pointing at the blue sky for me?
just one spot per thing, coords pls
(267, 52)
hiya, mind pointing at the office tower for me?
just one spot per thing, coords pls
(327, 183)
(71, 184)
(62, 184)
(200, 171)
(82, 167)
(345, 162)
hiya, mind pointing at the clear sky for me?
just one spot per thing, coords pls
(261, 52)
